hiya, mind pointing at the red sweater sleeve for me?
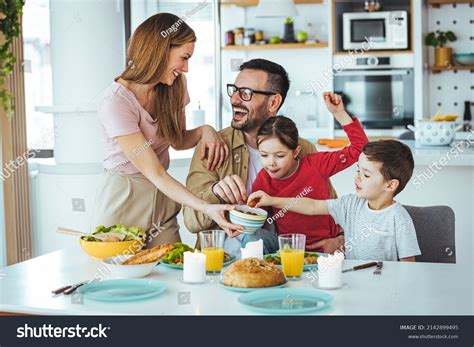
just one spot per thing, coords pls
(258, 184)
(330, 163)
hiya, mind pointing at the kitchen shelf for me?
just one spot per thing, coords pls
(437, 69)
(255, 2)
(376, 52)
(276, 46)
(438, 3)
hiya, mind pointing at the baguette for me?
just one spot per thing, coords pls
(149, 255)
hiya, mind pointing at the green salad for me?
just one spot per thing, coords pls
(176, 255)
(132, 233)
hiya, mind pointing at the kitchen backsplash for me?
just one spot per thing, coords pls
(449, 89)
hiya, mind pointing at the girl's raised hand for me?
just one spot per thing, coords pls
(333, 102)
(260, 199)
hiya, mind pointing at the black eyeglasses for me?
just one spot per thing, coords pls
(246, 93)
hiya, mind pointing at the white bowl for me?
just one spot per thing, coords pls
(465, 59)
(115, 268)
(431, 133)
(251, 222)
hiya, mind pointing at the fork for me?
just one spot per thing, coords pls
(378, 268)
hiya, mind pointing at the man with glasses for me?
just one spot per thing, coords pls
(257, 94)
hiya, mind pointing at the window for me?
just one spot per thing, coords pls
(38, 76)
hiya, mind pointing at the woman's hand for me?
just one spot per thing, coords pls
(217, 213)
(213, 143)
(260, 199)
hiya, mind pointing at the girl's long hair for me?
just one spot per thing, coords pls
(147, 57)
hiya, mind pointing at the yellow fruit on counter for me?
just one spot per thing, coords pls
(450, 117)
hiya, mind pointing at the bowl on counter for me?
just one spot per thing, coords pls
(465, 59)
(250, 218)
(117, 270)
(434, 133)
(101, 250)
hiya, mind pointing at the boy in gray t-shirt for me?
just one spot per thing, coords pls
(375, 226)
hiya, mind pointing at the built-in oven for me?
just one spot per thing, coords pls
(379, 94)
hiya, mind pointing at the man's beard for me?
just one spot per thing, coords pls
(254, 123)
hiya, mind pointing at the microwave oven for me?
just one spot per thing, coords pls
(381, 30)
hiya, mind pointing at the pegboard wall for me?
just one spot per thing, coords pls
(449, 89)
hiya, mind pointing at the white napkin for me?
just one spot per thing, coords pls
(253, 249)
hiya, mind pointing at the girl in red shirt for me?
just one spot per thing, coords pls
(284, 174)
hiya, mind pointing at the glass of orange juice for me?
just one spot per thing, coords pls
(212, 245)
(292, 247)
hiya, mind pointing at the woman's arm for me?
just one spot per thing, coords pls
(190, 139)
(148, 164)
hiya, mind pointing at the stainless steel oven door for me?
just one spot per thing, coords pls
(379, 98)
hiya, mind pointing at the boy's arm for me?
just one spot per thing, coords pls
(405, 236)
(304, 206)
(410, 259)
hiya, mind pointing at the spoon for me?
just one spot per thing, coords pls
(107, 237)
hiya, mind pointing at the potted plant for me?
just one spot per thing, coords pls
(10, 26)
(443, 55)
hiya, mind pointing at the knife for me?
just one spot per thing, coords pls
(60, 290)
(74, 287)
(360, 267)
(66, 290)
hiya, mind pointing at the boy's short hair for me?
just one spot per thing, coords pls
(396, 159)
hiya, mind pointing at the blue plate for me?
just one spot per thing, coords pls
(180, 267)
(246, 290)
(286, 300)
(122, 290)
(306, 267)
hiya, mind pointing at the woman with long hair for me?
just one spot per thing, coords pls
(141, 115)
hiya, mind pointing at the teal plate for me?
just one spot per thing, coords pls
(285, 301)
(306, 267)
(180, 267)
(246, 290)
(122, 290)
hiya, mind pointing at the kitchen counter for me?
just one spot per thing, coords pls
(459, 153)
(402, 289)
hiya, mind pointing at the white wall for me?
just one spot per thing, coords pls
(448, 90)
